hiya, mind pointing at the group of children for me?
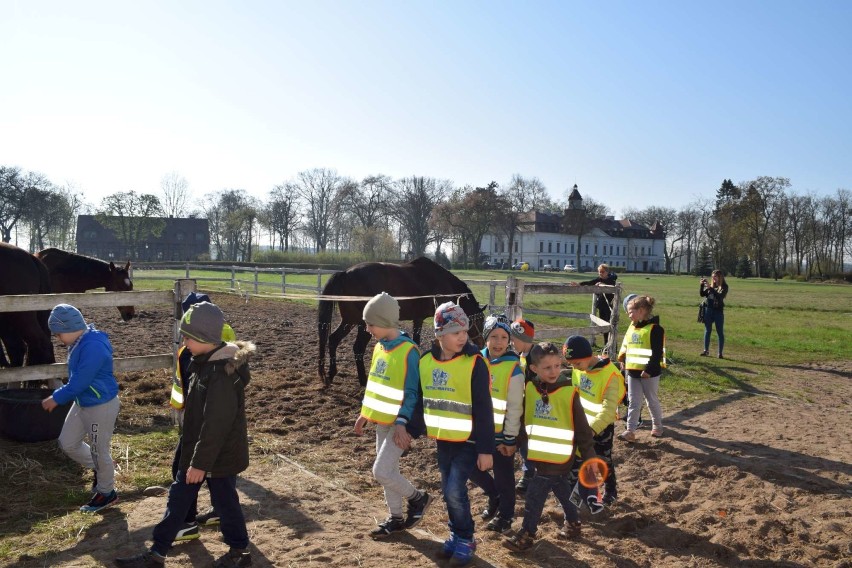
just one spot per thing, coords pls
(480, 406)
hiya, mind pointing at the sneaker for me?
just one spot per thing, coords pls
(705, 353)
(595, 506)
(522, 484)
(235, 558)
(657, 432)
(189, 531)
(208, 518)
(499, 524)
(100, 501)
(448, 548)
(147, 559)
(417, 508)
(464, 552)
(521, 541)
(388, 527)
(570, 529)
(627, 436)
(491, 509)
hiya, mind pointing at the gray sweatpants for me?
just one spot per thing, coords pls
(386, 470)
(639, 390)
(98, 422)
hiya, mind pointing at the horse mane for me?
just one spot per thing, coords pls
(424, 263)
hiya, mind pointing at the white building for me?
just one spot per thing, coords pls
(575, 239)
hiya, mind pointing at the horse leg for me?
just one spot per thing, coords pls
(39, 347)
(333, 341)
(416, 328)
(359, 347)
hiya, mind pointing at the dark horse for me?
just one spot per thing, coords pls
(420, 277)
(74, 273)
(23, 273)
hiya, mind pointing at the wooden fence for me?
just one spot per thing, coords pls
(92, 300)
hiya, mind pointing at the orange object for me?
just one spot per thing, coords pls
(593, 472)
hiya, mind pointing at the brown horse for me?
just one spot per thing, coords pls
(420, 277)
(71, 272)
(23, 273)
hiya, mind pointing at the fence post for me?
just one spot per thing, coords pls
(491, 293)
(233, 278)
(182, 289)
(255, 280)
(187, 271)
(319, 281)
(511, 288)
(283, 281)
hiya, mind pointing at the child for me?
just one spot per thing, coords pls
(556, 426)
(214, 442)
(393, 383)
(507, 395)
(714, 309)
(180, 385)
(457, 408)
(643, 356)
(94, 390)
(601, 387)
(523, 335)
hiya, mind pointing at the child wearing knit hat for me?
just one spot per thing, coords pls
(455, 389)
(507, 395)
(390, 402)
(94, 390)
(523, 336)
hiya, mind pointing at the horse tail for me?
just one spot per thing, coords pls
(45, 286)
(326, 309)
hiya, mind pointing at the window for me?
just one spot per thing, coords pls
(541, 246)
(199, 237)
(550, 247)
(557, 247)
(516, 246)
(572, 248)
(587, 248)
(643, 251)
(90, 235)
(610, 250)
(496, 246)
(596, 249)
(180, 236)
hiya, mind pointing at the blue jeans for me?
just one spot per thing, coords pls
(183, 496)
(712, 316)
(456, 461)
(539, 488)
(501, 485)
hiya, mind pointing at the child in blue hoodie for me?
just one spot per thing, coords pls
(94, 390)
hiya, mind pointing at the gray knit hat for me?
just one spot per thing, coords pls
(382, 311)
(203, 322)
(628, 299)
(65, 318)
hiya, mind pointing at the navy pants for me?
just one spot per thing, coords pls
(539, 488)
(501, 485)
(183, 496)
(456, 461)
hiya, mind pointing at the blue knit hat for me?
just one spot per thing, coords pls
(628, 299)
(65, 318)
(194, 298)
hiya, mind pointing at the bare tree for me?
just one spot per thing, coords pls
(280, 216)
(668, 216)
(317, 188)
(521, 196)
(231, 215)
(132, 216)
(13, 189)
(412, 206)
(175, 190)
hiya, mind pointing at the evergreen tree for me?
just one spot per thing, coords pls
(744, 267)
(704, 264)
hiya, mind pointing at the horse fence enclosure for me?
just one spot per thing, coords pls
(25, 303)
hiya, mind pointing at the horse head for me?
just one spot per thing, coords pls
(119, 281)
(476, 315)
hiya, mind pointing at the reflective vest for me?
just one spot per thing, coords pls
(386, 383)
(501, 370)
(637, 347)
(447, 399)
(592, 386)
(176, 400)
(550, 427)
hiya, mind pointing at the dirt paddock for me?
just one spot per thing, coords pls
(753, 478)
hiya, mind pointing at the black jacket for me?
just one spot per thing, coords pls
(602, 300)
(715, 296)
(215, 436)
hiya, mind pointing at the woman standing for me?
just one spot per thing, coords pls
(714, 309)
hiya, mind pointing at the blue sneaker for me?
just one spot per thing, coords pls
(100, 501)
(449, 547)
(463, 554)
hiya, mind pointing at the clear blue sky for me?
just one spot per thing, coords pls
(640, 103)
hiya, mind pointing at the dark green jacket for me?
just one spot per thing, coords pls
(215, 437)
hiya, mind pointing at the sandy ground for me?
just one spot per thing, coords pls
(757, 477)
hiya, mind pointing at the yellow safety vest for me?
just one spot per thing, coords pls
(502, 370)
(447, 399)
(550, 427)
(592, 386)
(637, 348)
(386, 383)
